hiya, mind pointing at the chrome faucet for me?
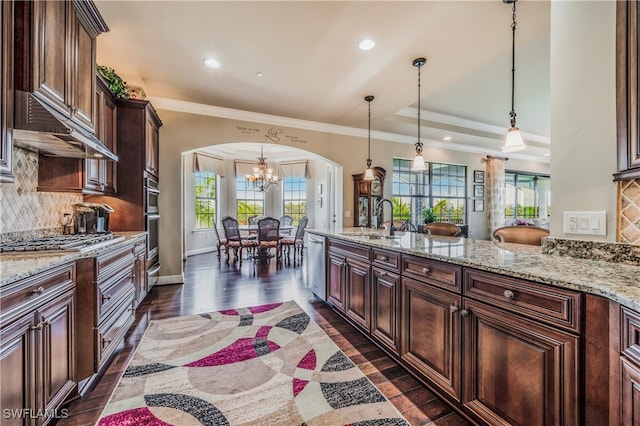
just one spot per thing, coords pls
(392, 229)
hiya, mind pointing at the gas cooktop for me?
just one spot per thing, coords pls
(77, 243)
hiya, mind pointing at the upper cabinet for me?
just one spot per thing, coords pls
(6, 94)
(627, 100)
(56, 55)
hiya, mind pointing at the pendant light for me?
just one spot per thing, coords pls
(513, 141)
(368, 174)
(418, 162)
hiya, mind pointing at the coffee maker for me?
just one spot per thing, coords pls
(91, 218)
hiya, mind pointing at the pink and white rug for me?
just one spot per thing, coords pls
(262, 365)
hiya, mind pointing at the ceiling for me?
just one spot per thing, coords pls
(313, 70)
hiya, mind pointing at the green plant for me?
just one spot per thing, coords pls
(116, 84)
(428, 215)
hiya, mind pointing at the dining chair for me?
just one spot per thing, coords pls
(297, 241)
(531, 235)
(235, 240)
(221, 242)
(445, 229)
(268, 238)
(285, 220)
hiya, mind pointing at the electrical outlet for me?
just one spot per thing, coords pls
(588, 223)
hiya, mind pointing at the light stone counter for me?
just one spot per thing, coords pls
(616, 281)
(14, 267)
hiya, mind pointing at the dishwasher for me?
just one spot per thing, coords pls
(316, 280)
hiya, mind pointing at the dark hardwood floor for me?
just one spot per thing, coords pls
(211, 286)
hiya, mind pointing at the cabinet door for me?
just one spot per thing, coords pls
(337, 267)
(358, 302)
(140, 272)
(58, 362)
(17, 366)
(51, 53)
(385, 307)
(431, 333)
(82, 80)
(518, 372)
(630, 382)
(152, 140)
(6, 92)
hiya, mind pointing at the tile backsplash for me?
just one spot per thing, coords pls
(629, 211)
(24, 209)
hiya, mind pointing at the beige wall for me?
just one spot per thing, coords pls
(184, 132)
(583, 111)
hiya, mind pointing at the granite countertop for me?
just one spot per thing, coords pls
(615, 281)
(14, 267)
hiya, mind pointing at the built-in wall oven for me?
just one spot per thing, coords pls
(152, 215)
(152, 195)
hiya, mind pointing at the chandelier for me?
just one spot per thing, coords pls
(262, 178)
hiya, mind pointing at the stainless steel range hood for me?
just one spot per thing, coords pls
(39, 127)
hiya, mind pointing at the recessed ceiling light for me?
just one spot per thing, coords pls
(366, 44)
(447, 138)
(211, 63)
(259, 74)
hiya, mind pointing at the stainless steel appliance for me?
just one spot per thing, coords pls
(91, 218)
(316, 278)
(79, 243)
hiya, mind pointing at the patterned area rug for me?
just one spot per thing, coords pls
(263, 365)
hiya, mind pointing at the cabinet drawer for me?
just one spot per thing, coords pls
(34, 291)
(386, 259)
(551, 305)
(112, 293)
(350, 249)
(630, 334)
(110, 333)
(114, 261)
(440, 274)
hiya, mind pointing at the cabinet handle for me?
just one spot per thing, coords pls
(426, 270)
(106, 297)
(383, 274)
(464, 313)
(39, 325)
(106, 341)
(38, 290)
(453, 309)
(383, 258)
(508, 294)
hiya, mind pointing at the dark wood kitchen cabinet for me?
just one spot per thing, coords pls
(627, 98)
(37, 345)
(56, 55)
(385, 298)
(6, 92)
(99, 173)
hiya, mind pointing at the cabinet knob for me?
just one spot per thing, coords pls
(106, 297)
(38, 326)
(453, 309)
(38, 290)
(508, 294)
(106, 341)
(383, 258)
(383, 274)
(464, 313)
(426, 270)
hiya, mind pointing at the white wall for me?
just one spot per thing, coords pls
(583, 111)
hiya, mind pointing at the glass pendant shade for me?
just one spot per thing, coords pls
(513, 142)
(368, 174)
(418, 164)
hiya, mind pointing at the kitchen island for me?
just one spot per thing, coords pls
(504, 333)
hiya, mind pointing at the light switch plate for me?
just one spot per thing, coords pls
(586, 223)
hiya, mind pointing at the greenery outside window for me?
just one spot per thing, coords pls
(206, 199)
(294, 198)
(249, 203)
(442, 188)
(528, 195)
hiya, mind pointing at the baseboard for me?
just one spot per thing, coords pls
(200, 251)
(170, 279)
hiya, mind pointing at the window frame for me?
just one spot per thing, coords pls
(199, 177)
(301, 190)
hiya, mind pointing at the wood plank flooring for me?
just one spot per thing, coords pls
(211, 285)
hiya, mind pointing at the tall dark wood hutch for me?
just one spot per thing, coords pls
(366, 195)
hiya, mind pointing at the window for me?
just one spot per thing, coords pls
(528, 195)
(250, 203)
(294, 198)
(441, 187)
(206, 206)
